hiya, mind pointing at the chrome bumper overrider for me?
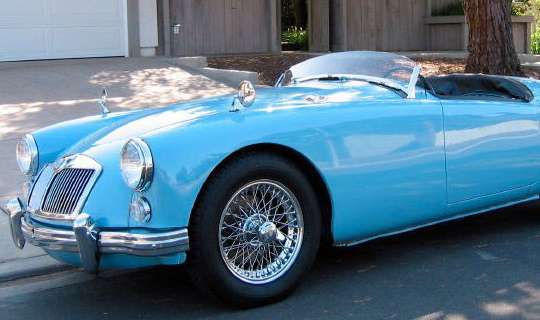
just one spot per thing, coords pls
(86, 239)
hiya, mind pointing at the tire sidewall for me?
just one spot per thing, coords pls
(221, 281)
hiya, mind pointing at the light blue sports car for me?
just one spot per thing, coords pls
(346, 148)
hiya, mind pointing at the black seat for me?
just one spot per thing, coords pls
(478, 87)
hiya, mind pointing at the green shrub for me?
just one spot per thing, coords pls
(296, 36)
(535, 41)
(520, 8)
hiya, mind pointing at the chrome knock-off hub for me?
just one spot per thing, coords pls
(267, 232)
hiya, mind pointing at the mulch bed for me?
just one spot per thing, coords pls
(271, 66)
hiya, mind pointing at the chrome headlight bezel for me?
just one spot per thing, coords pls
(137, 176)
(27, 155)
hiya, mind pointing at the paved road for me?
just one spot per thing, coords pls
(486, 267)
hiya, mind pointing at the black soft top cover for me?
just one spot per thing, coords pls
(477, 86)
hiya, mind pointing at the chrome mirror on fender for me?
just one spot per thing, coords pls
(245, 97)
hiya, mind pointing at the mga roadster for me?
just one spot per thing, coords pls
(346, 148)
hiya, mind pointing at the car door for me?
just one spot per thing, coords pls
(492, 151)
(387, 172)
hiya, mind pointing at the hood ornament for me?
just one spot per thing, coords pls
(102, 102)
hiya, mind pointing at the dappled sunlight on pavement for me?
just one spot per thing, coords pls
(151, 87)
(41, 93)
(521, 300)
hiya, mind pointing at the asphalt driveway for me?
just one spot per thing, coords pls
(484, 267)
(40, 93)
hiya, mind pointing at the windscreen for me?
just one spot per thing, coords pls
(388, 67)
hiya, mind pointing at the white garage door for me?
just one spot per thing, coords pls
(53, 29)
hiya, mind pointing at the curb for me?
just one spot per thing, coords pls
(231, 78)
(30, 267)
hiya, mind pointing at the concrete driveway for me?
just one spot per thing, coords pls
(40, 93)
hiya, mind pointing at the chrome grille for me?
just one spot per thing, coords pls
(65, 191)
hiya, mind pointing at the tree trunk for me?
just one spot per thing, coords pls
(491, 43)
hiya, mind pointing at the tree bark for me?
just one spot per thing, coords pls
(491, 42)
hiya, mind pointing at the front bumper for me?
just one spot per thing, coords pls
(90, 242)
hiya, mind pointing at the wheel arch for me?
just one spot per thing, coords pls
(307, 166)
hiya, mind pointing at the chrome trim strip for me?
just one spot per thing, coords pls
(147, 245)
(49, 239)
(144, 244)
(411, 89)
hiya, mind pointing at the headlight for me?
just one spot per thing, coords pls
(137, 165)
(27, 155)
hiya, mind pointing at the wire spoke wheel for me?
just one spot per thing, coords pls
(261, 231)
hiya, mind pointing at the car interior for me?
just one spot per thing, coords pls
(477, 87)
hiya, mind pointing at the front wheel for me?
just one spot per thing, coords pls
(255, 231)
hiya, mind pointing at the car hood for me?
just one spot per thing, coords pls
(286, 99)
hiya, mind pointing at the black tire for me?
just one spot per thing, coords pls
(205, 263)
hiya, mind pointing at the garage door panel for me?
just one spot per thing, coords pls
(99, 7)
(23, 43)
(75, 41)
(28, 13)
(52, 29)
(86, 13)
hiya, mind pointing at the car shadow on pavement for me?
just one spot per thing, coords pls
(477, 268)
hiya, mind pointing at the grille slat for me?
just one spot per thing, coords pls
(66, 190)
(77, 185)
(54, 189)
(61, 189)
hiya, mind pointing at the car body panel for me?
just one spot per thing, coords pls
(343, 148)
(119, 261)
(491, 147)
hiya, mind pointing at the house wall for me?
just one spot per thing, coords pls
(391, 25)
(440, 4)
(148, 27)
(253, 26)
(319, 25)
(224, 26)
(405, 25)
(451, 33)
(142, 27)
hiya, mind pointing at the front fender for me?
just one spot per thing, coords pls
(185, 156)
